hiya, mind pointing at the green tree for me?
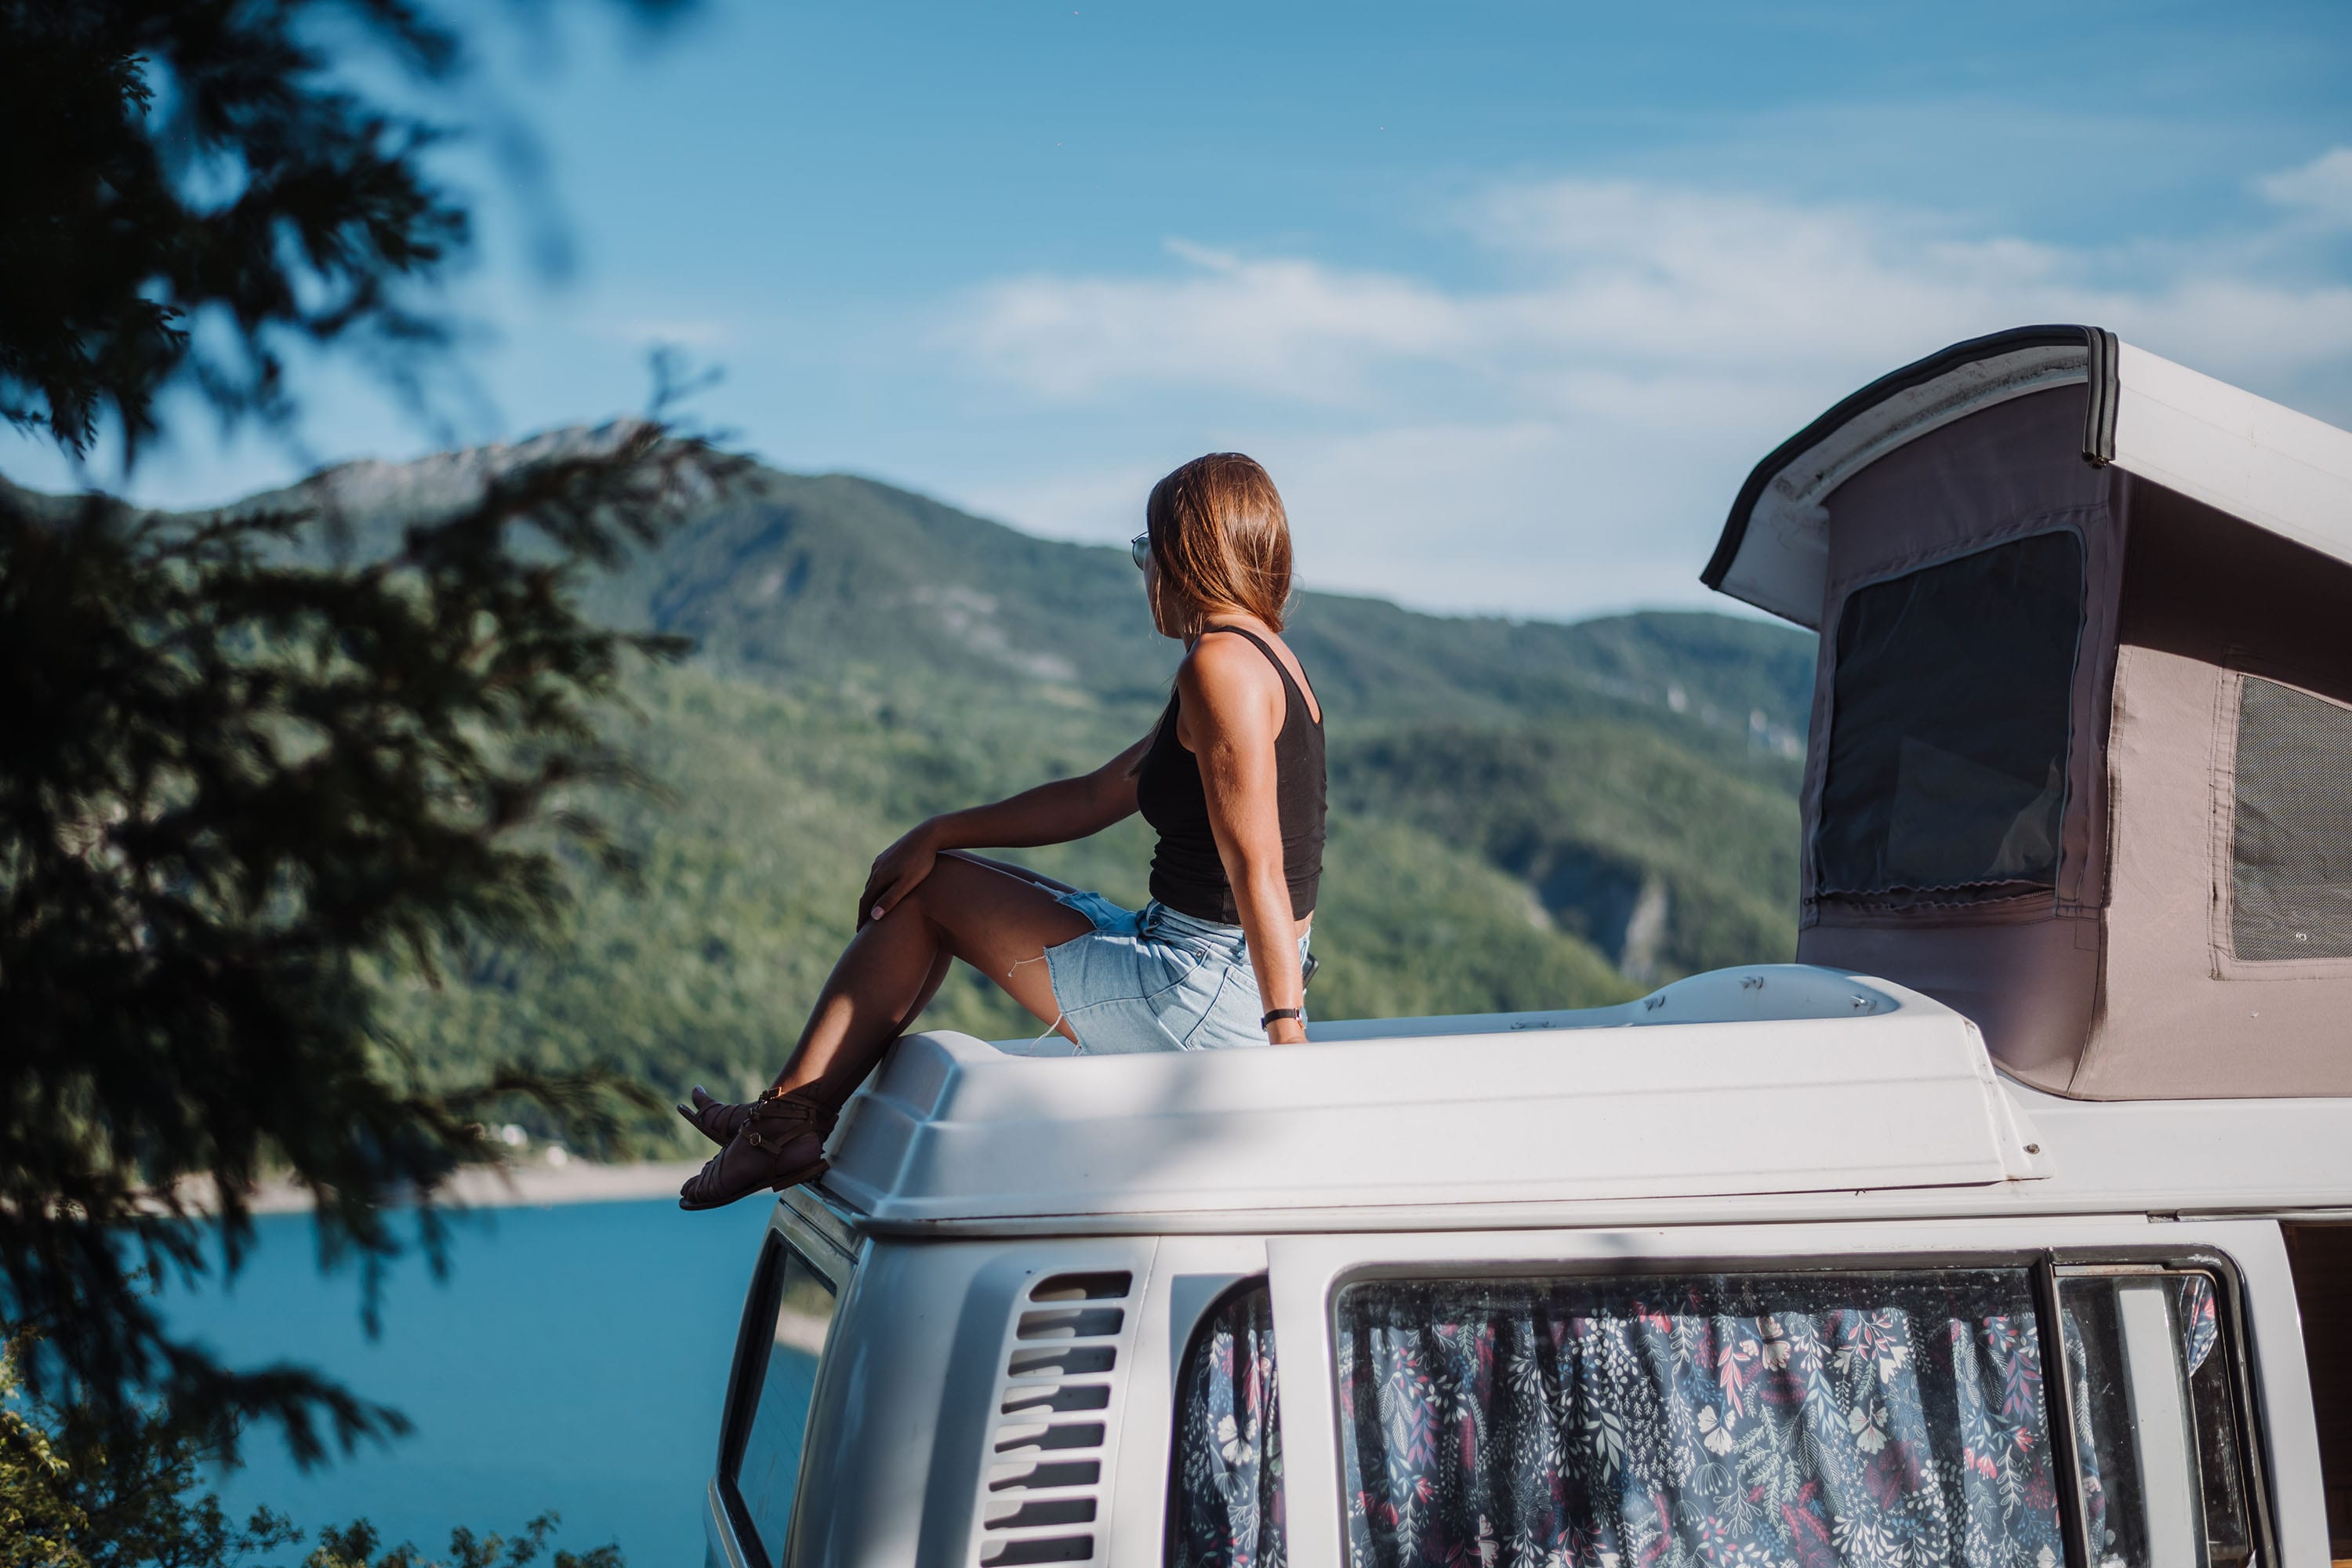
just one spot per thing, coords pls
(244, 780)
(193, 189)
(237, 789)
(75, 1493)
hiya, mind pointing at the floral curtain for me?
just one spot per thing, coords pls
(1224, 1508)
(1807, 1419)
(1820, 1419)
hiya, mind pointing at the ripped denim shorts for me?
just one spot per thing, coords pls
(1154, 980)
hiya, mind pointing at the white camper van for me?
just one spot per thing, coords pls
(2011, 1227)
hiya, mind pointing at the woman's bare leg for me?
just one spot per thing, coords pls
(932, 983)
(998, 919)
(946, 959)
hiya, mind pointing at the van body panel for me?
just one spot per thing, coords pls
(909, 1427)
(909, 1408)
(2288, 1424)
(935, 1436)
(898, 1432)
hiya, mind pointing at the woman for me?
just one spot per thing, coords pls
(1231, 778)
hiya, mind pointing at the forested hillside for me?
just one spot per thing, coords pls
(1524, 814)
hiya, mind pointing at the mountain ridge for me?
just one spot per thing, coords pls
(806, 542)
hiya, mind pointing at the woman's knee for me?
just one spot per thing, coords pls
(983, 914)
(949, 889)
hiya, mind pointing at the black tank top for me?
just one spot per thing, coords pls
(1186, 873)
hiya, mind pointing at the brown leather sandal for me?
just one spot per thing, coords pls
(717, 1120)
(780, 1144)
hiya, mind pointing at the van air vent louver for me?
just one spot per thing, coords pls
(1047, 1432)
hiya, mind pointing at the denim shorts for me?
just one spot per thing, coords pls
(1154, 980)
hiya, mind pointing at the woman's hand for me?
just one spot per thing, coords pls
(898, 871)
(1286, 1032)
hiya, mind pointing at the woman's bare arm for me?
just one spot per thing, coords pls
(1052, 813)
(1232, 710)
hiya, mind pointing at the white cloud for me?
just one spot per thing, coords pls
(1566, 439)
(1293, 327)
(1534, 517)
(1636, 276)
(2321, 189)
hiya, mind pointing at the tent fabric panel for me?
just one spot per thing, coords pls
(2174, 1020)
(2001, 473)
(2212, 587)
(1771, 552)
(1974, 481)
(2028, 983)
(2284, 472)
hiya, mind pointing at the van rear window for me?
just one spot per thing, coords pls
(1816, 1418)
(786, 1324)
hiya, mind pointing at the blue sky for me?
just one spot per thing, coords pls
(1508, 296)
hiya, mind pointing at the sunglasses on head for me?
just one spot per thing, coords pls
(1139, 547)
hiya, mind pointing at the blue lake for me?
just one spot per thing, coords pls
(574, 1358)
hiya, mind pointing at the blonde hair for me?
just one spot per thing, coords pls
(1220, 537)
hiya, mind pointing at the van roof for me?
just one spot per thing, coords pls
(2282, 471)
(1783, 1087)
(1770, 1092)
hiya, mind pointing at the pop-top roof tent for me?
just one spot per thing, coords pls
(2081, 763)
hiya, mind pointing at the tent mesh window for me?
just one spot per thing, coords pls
(2291, 838)
(1949, 721)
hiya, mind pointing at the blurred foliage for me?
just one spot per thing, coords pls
(1596, 818)
(77, 1490)
(237, 785)
(238, 776)
(358, 1545)
(194, 188)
